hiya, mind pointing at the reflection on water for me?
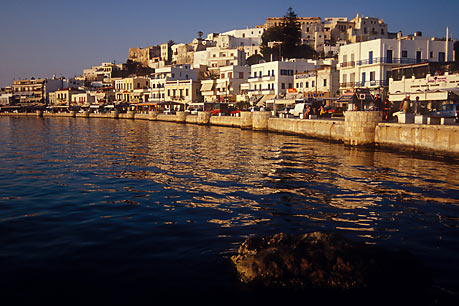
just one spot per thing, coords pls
(70, 186)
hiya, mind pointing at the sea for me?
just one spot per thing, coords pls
(129, 212)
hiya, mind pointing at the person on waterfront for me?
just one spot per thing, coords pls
(386, 109)
(405, 105)
(417, 106)
(377, 102)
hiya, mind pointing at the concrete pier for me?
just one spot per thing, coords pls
(359, 127)
(153, 115)
(181, 117)
(246, 120)
(260, 120)
(203, 118)
(130, 114)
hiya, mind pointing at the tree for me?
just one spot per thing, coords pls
(254, 59)
(284, 41)
(209, 75)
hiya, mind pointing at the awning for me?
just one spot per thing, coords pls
(347, 98)
(169, 103)
(265, 98)
(207, 86)
(94, 106)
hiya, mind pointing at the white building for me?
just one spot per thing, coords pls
(273, 79)
(368, 64)
(83, 98)
(215, 58)
(171, 73)
(320, 83)
(228, 86)
(427, 81)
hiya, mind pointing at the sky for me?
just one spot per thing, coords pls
(46, 37)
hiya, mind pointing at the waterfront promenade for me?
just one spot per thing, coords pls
(358, 128)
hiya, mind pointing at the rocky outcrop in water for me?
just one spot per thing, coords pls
(326, 261)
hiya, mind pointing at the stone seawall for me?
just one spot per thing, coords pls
(359, 128)
(324, 129)
(418, 137)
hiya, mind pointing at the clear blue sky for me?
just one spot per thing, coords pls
(42, 37)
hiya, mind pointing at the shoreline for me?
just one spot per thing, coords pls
(363, 131)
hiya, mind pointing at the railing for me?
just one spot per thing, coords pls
(347, 64)
(364, 84)
(388, 60)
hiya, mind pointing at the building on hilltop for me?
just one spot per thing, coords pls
(323, 35)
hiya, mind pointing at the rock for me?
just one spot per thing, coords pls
(326, 261)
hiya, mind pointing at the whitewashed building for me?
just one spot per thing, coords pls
(428, 82)
(319, 83)
(368, 64)
(215, 58)
(273, 79)
(171, 73)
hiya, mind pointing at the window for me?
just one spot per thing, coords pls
(283, 86)
(372, 76)
(297, 85)
(441, 56)
(370, 57)
(431, 54)
(306, 85)
(418, 56)
(363, 78)
(289, 85)
(169, 92)
(186, 76)
(404, 53)
(325, 82)
(272, 72)
(312, 83)
(173, 75)
(186, 92)
(241, 75)
(222, 76)
(230, 75)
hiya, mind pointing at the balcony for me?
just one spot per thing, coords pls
(388, 60)
(347, 64)
(376, 83)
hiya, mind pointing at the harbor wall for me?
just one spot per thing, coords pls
(415, 137)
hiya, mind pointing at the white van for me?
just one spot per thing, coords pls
(299, 109)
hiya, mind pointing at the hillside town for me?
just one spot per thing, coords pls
(353, 64)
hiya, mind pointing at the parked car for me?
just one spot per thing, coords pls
(446, 111)
(334, 112)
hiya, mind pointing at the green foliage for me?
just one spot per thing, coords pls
(135, 68)
(284, 41)
(254, 59)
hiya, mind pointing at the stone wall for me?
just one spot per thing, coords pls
(325, 129)
(359, 128)
(418, 137)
